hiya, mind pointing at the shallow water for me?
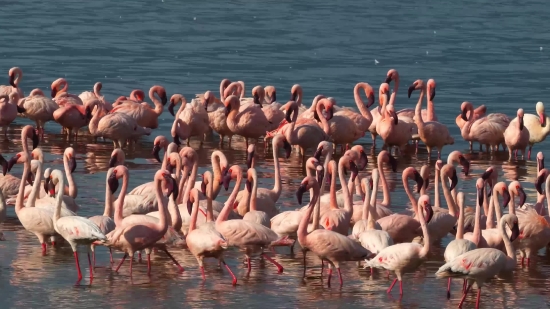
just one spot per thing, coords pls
(485, 52)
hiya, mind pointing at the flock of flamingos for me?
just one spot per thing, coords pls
(176, 210)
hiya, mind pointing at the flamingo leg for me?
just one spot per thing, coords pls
(43, 248)
(121, 261)
(464, 296)
(174, 260)
(329, 276)
(528, 261)
(111, 255)
(391, 286)
(148, 264)
(478, 298)
(371, 271)
(340, 276)
(230, 272)
(91, 268)
(202, 273)
(249, 265)
(131, 262)
(304, 252)
(400, 287)
(139, 257)
(529, 153)
(449, 288)
(464, 285)
(77, 265)
(279, 266)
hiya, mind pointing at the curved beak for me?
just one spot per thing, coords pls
(226, 180)
(170, 168)
(465, 165)
(30, 178)
(227, 110)
(480, 195)
(370, 100)
(156, 151)
(505, 199)
(318, 153)
(419, 181)
(395, 119)
(189, 206)
(330, 113)
(248, 186)
(274, 97)
(12, 81)
(113, 159)
(257, 100)
(432, 94)
(320, 174)
(175, 189)
(388, 80)
(12, 162)
(4, 165)
(486, 174)
(393, 163)
(203, 187)
(54, 92)
(520, 123)
(51, 188)
(410, 91)
(288, 115)
(288, 149)
(354, 170)
(163, 98)
(538, 183)
(363, 160)
(522, 196)
(426, 183)
(542, 119)
(176, 139)
(112, 182)
(249, 159)
(463, 115)
(429, 213)
(35, 139)
(72, 164)
(454, 181)
(21, 109)
(171, 108)
(46, 182)
(300, 193)
(515, 232)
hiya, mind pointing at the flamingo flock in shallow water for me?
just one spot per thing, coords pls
(174, 210)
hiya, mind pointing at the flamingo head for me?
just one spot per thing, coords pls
(156, 151)
(514, 226)
(541, 178)
(318, 152)
(12, 79)
(17, 158)
(465, 164)
(540, 160)
(47, 173)
(417, 85)
(192, 200)
(363, 159)
(391, 112)
(454, 180)
(51, 188)
(250, 155)
(521, 193)
(4, 165)
(391, 76)
(424, 202)
(113, 160)
(305, 185)
(256, 92)
(392, 161)
(203, 185)
(175, 190)
(320, 171)
(431, 87)
(229, 102)
(289, 110)
(69, 152)
(112, 181)
(208, 98)
(540, 111)
(232, 173)
(419, 180)
(271, 92)
(520, 115)
(480, 187)
(329, 109)
(354, 170)
(464, 109)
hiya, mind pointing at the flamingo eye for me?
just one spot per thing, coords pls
(517, 187)
(425, 202)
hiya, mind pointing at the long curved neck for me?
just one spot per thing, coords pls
(94, 122)
(254, 194)
(547, 193)
(277, 186)
(302, 227)
(227, 208)
(489, 223)
(460, 227)
(418, 111)
(209, 196)
(190, 182)
(409, 193)
(332, 192)
(477, 223)
(31, 200)
(159, 108)
(437, 202)
(162, 226)
(317, 208)
(430, 106)
(361, 105)
(375, 182)
(448, 198)
(59, 199)
(193, 220)
(120, 206)
(347, 198)
(496, 208)
(20, 196)
(290, 134)
(73, 191)
(512, 203)
(426, 248)
(324, 123)
(108, 212)
(510, 251)
(385, 191)
(217, 173)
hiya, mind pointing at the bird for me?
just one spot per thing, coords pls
(517, 136)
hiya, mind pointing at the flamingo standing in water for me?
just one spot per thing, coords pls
(488, 131)
(143, 113)
(394, 131)
(15, 75)
(119, 127)
(39, 109)
(406, 257)
(75, 230)
(480, 265)
(517, 136)
(74, 116)
(8, 111)
(193, 115)
(248, 122)
(254, 215)
(62, 96)
(9, 184)
(537, 125)
(89, 96)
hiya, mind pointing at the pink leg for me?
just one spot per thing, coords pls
(202, 272)
(249, 265)
(53, 243)
(329, 276)
(110, 255)
(340, 276)
(93, 258)
(391, 286)
(464, 296)
(230, 272)
(148, 264)
(77, 265)
(400, 287)
(131, 262)
(139, 257)
(371, 271)
(522, 261)
(529, 153)
(91, 268)
(449, 288)
(478, 297)
(464, 286)
(43, 248)
(121, 261)
(279, 267)
(174, 260)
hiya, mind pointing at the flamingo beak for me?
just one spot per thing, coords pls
(432, 94)
(330, 113)
(426, 182)
(170, 168)
(176, 140)
(273, 97)
(542, 119)
(354, 170)
(522, 196)
(540, 163)
(454, 181)
(248, 186)
(370, 100)
(486, 174)
(411, 89)
(316, 116)
(388, 80)
(429, 212)
(249, 159)
(12, 162)
(112, 182)
(203, 187)
(505, 198)
(30, 178)
(112, 160)
(521, 123)
(288, 149)
(288, 115)
(257, 100)
(4, 165)
(515, 232)
(395, 119)
(300, 193)
(419, 181)
(156, 151)
(12, 81)
(293, 96)
(463, 115)
(189, 206)
(163, 98)
(175, 190)
(51, 188)
(21, 109)
(46, 182)
(226, 180)
(171, 108)
(318, 153)
(54, 92)
(538, 183)
(393, 163)
(35, 139)
(465, 165)
(481, 195)
(363, 160)
(227, 110)
(72, 164)
(320, 174)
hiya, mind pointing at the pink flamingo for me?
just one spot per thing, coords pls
(249, 236)
(216, 115)
(15, 75)
(254, 215)
(481, 265)
(392, 130)
(329, 246)
(444, 220)
(39, 109)
(220, 166)
(8, 111)
(272, 110)
(363, 119)
(406, 257)
(62, 96)
(73, 117)
(432, 133)
(536, 125)
(119, 127)
(342, 129)
(9, 184)
(89, 96)
(193, 115)
(479, 112)
(487, 131)
(74, 229)
(143, 113)
(296, 95)
(427, 114)
(377, 111)
(516, 136)
(248, 122)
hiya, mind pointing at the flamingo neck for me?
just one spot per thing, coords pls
(228, 207)
(190, 182)
(409, 193)
(418, 112)
(290, 135)
(120, 206)
(94, 122)
(20, 196)
(302, 227)
(510, 251)
(277, 186)
(512, 203)
(319, 109)
(460, 227)
(332, 193)
(361, 105)
(477, 225)
(108, 212)
(489, 223)
(216, 158)
(31, 200)
(254, 194)
(347, 198)
(194, 214)
(162, 226)
(426, 247)
(159, 108)
(385, 191)
(73, 191)
(375, 182)
(59, 199)
(209, 196)
(448, 198)
(437, 202)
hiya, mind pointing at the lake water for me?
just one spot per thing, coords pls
(486, 52)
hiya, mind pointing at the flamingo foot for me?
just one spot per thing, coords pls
(174, 260)
(121, 261)
(231, 273)
(43, 248)
(449, 288)
(77, 266)
(91, 268)
(478, 298)
(202, 273)
(464, 296)
(391, 286)
(279, 266)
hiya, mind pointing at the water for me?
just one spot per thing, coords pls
(485, 52)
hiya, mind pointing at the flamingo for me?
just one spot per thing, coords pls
(480, 265)
(119, 127)
(363, 119)
(479, 112)
(272, 110)
(9, 110)
(74, 229)
(15, 75)
(432, 133)
(517, 136)
(249, 236)
(487, 131)
(536, 125)
(62, 96)
(216, 112)
(329, 246)
(248, 122)
(144, 115)
(342, 129)
(296, 95)
(377, 111)
(459, 245)
(406, 257)
(89, 96)
(9, 184)
(444, 220)
(427, 114)
(254, 215)
(205, 241)
(219, 168)
(39, 109)
(193, 115)
(394, 131)
(73, 117)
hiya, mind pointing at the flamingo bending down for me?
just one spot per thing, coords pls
(39, 109)
(62, 96)
(73, 116)
(74, 229)
(488, 131)
(406, 257)
(144, 115)
(89, 96)
(432, 133)
(517, 136)
(15, 75)
(482, 264)
(118, 127)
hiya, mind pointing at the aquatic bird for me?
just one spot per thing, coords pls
(118, 127)
(480, 265)
(8, 111)
(459, 245)
(73, 117)
(406, 257)
(342, 129)
(432, 133)
(39, 109)
(248, 122)
(15, 75)
(75, 230)
(62, 96)
(537, 125)
(363, 119)
(488, 130)
(144, 115)
(9, 184)
(254, 215)
(89, 96)
(444, 219)
(193, 115)
(517, 136)
(220, 166)
(394, 131)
